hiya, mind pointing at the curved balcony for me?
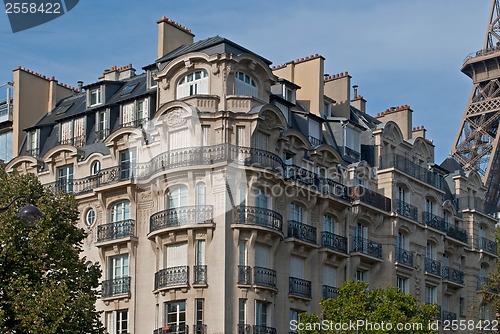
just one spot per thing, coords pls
(251, 215)
(116, 230)
(172, 277)
(182, 216)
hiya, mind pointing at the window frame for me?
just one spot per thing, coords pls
(97, 92)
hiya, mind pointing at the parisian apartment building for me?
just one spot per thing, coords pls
(223, 194)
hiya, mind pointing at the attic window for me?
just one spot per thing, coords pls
(63, 109)
(95, 97)
(128, 89)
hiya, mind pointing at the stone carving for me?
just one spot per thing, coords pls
(270, 119)
(176, 118)
(165, 84)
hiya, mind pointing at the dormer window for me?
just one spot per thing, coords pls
(73, 132)
(194, 83)
(288, 94)
(151, 82)
(244, 85)
(33, 149)
(352, 145)
(95, 97)
(135, 114)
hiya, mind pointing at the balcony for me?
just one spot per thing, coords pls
(367, 247)
(302, 231)
(172, 277)
(33, 152)
(138, 123)
(447, 315)
(299, 287)
(314, 141)
(487, 245)
(294, 173)
(200, 275)
(456, 232)
(432, 267)
(370, 197)
(101, 134)
(334, 242)
(245, 275)
(78, 141)
(330, 292)
(349, 152)
(406, 210)
(200, 329)
(250, 215)
(452, 275)
(403, 164)
(116, 230)
(255, 329)
(264, 277)
(172, 329)
(115, 287)
(404, 257)
(182, 216)
(433, 221)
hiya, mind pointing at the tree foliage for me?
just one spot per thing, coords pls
(378, 307)
(45, 287)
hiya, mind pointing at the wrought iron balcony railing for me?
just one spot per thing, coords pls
(200, 274)
(404, 256)
(456, 232)
(406, 210)
(314, 141)
(33, 152)
(115, 287)
(116, 230)
(78, 141)
(367, 247)
(447, 315)
(452, 275)
(432, 266)
(487, 245)
(200, 329)
(261, 329)
(264, 277)
(330, 292)
(433, 221)
(412, 169)
(352, 153)
(181, 216)
(245, 329)
(172, 329)
(334, 242)
(250, 215)
(244, 275)
(101, 134)
(370, 197)
(299, 287)
(301, 231)
(172, 276)
(137, 123)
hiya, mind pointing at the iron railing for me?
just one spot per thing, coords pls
(432, 266)
(172, 276)
(301, 231)
(352, 153)
(261, 329)
(78, 141)
(200, 274)
(250, 215)
(370, 197)
(404, 256)
(299, 287)
(244, 275)
(172, 329)
(447, 315)
(433, 221)
(334, 242)
(487, 245)
(264, 277)
(115, 287)
(135, 123)
(200, 329)
(452, 275)
(116, 230)
(403, 164)
(314, 141)
(33, 152)
(456, 232)
(406, 210)
(101, 134)
(182, 216)
(245, 329)
(367, 247)
(330, 291)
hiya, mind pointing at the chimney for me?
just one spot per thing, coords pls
(171, 35)
(52, 94)
(358, 101)
(80, 86)
(112, 74)
(126, 72)
(402, 116)
(418, 131)
(338, 88)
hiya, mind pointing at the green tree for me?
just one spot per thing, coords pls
(45, 287)
(379, 307)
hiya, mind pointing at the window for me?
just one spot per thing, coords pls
(430, 294)
(193, 83)
(198, 318)
(177, 197)
(351, 139)
(242, 307)
(127, 163)
(262, 254)
(484, 312)
(402, 283)
(261, 312)
(200, 193)
(200, 252)
(429, 206)
(95, 97)
(461, 307)
(240, 136)
(294, 316)
(95, 168)
(261, 141)
(179, 139)
(361, 275)
(65, 178)
(402, 242)
(135, 114)
(175, 316)
(128, 89)
(120, 211)
(289, 94)
(261, 199)
(102, 125)
(328, 224)
(330, 276)
(122, 322)
(177, 255)
(296, 212)
(119, 269)
(73, 132)
(361, 231)
(243, 194)
(401, 194)
(90, 217)
(242, 251)
(205, 132)
(297, 267)
(430, 251)
(151, 81)
(33, 149)
(244, 85)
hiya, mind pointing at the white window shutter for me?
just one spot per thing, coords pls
(177, 255)
(261, 256)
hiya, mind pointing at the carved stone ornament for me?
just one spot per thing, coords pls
(165, 84)
(270, 120)
(176, 118)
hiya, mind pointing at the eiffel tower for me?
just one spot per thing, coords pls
(477, 142)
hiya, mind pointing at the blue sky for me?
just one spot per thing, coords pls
(398, 52)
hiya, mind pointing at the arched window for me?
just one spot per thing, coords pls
(95, 168)
(177, 197)
(193, 83)
(244, 85)
(120, 211)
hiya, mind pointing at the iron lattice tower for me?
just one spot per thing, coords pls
(477, 142)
